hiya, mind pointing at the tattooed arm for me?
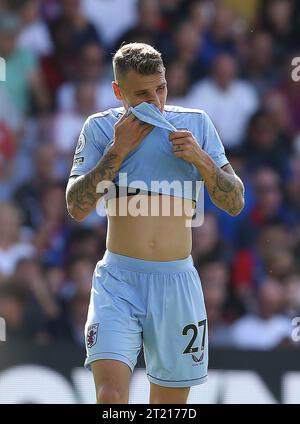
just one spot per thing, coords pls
(224, 187)
(81, 191)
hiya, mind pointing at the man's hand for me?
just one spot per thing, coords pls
(225, 188)
(129, 132)
(185, 146)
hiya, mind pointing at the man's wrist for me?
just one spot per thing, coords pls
(200, 159)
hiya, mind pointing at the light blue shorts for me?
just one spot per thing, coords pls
(156, 304)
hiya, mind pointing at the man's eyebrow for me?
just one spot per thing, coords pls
(164, 84)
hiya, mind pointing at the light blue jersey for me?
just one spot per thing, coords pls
(153, 160)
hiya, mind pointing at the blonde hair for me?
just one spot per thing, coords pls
(139, 57)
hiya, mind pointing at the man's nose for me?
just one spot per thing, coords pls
(155, 100)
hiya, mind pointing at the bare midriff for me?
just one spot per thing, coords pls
(160, 232)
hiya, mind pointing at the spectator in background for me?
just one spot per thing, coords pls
(280, 262)
(276, 105)
(9, 114)
(111, 18)
(293, 182)
(267, 328)
(80, 273)
(52, 231)
(23, 76)
(268, 225)
(291, 296)
(34, 34)
(49, 9)
(67, 125)
(86, 242)
(12, 307)
(220, 309)
(277, 18)
(264, 146)
(12, 245)
(71, 30)
(147, 29)
(7, 157)
(258, 68)
(28, 196)
(178, 82)
(171, 14)
(275, 234)
(184, 46)
(56, 279)
(90, 68)
(198, 14)
(290, 90)
(223, 97)
(76, 318)
(271, 254)
(207, 243)
(42, 313)
(219, 37)
(269, 205)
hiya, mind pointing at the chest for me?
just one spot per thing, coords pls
(154, 160)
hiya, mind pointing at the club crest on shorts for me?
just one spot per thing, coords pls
(80, 144)
(92, 334)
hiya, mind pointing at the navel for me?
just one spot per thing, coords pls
(152, 244)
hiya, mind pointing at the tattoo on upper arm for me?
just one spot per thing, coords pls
(82, 194)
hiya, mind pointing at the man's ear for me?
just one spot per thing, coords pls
(117, 91)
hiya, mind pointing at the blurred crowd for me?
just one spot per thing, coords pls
(228, 57)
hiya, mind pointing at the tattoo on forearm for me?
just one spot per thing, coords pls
(227, 191)
(224, 181)
(83, 194)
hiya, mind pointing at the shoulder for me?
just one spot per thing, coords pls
(189, 113)
(109, 114)
(197, 118)
(170, 109)
(104, 121)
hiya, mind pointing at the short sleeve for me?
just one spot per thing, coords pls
(212, 144)
(89, 150)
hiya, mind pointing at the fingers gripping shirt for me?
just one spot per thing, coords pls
(152, 166)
